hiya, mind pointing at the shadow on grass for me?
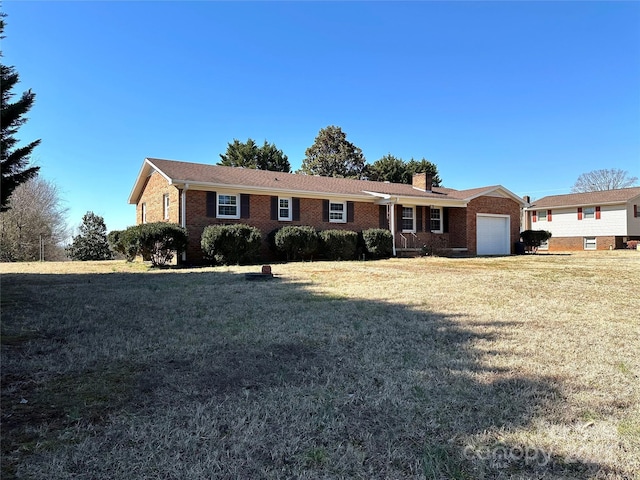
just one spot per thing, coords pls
(203, 375)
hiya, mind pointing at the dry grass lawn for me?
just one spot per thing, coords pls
(514, 367)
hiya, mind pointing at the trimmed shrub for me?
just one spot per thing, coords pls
(378, 242)
(533, 238)
(231, 244)
(124, 242)
(297, 241)
(159, 241)
(339, 244)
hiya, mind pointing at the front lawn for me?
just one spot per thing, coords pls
(511, 367)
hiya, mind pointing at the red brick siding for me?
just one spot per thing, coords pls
(492, 205)
(153, 195)
(365, 216)
(560, 244)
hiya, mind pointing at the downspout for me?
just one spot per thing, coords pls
(392, 226)
(183, 210)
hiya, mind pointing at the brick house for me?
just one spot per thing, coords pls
(480, 221)
(587, 221)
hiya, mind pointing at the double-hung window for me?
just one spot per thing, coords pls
(337, 212)
(408, 219)
(228, 206)
(436, 220)
(542, 215)
(284, 208)
(590, 243)
(165, 206)
(588, 212)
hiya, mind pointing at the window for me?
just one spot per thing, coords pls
(436, 220)
(588, 212)
(228, 206)
(165, 204)
(542, 215)
(338, 212)
(284, 208)
(589, 243)
(544, 245)
(408, 219)
(143, 209)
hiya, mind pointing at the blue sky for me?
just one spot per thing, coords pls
(528, 95)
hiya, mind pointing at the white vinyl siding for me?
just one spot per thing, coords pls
(613, 221)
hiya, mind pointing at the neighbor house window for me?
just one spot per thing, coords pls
(143, 210)
(588, 212)
(165, 205)
(589, 243)
(338, 212)
(408, 219)
(284, 208)
(228, 206)
(542, 215)
(436, 220)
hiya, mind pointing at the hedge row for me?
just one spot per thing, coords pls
(240, 243)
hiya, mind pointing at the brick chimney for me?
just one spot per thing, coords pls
(423, 181)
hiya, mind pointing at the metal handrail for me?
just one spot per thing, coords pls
(415, 239)
(403, 240)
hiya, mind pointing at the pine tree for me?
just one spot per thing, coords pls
(14, 160)
(332, 155)
(249, 155)
(91, 243)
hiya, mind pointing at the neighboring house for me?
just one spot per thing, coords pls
(481, 221)
(587, 221)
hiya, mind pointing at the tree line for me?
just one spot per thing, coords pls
(33, 222)
(330, 155)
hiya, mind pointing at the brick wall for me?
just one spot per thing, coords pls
(365, 216)
(569, 244)
(153, 197)
(492, 205)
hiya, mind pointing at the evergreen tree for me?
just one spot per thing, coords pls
(388, 169)
(91, 243)
(249, 155)
(332, 155)
(14, 160)
(423, 166)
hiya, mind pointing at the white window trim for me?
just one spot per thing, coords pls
(595, 243)
(218, 205)
(344, 212)
(592, 214)
(441, 229)
(289, 216)
(165, 205)
(542, 218)
(413, 214)
(143, 212)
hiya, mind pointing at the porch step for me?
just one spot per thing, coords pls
(408, 252)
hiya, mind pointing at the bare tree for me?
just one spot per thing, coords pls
(599, 180)
(35, 226)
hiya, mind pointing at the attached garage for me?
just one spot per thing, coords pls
(493, 234)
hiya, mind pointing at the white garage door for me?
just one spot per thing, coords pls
(493, 234)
